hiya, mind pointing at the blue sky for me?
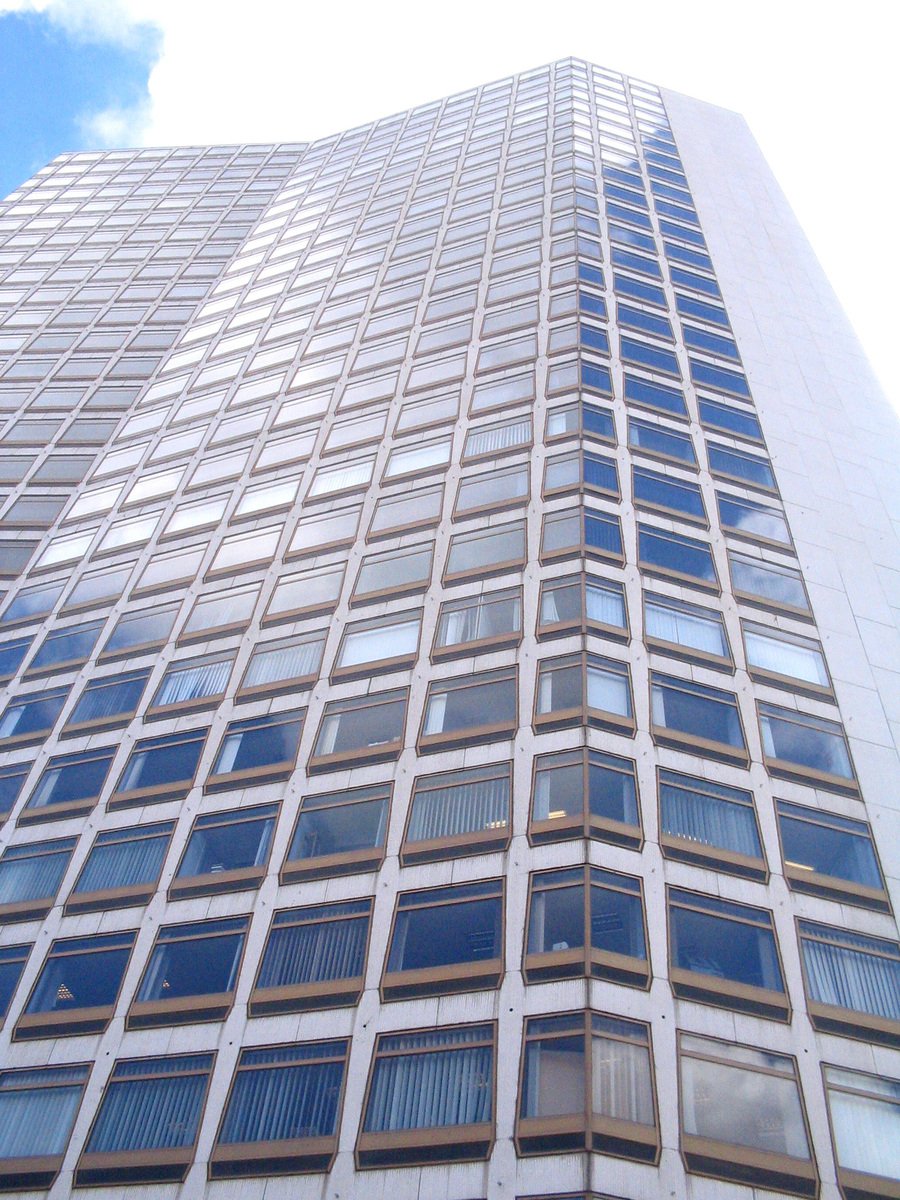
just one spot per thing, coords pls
(52, 85)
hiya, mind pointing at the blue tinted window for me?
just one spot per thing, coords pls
(636, 318)
(11, 780)
(721, 416)
(626, 196)
(589, 274)
(602, 533)
(644, 355)
(66, 645)
(675, 552)
(631, 237)
(699, 283)
(594, 339)
(12, 963)
(594, 306)
(718, 378)
(692, 257)
(676, 211)
(654, 395)
(598, 421)
(689, 306)
(713, 343)
(694, 236)
(753, 520)
(673, 193)
(600, 473)
(11, 655)
(617, 213)
(620, 176)
(662, 492)
(657, 440)
(744, 466)
(596, 378)
(691, 708)
(32, 714)
(636, 262)
(639, 290)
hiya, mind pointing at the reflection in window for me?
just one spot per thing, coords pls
(257, 750)
(191, 973)
(29, 718)
(338, 833)
(479, 706)
(738, 1098)
(773, 654)
(487, 620)
(865, 1122)
(122, 868)
(366, 728)
(673, 554)
(108, 701)
(37, 1112)
(829, 855)
(69, 786)
(690, 714)
(583, 793)
(384, 642)
(685, 628)
(582, 602)
(76, 990)
(587, 1084)
(226, 851)
(803, 746)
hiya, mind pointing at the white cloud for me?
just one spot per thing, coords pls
(814, 82)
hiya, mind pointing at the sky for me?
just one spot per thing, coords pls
(816, 88)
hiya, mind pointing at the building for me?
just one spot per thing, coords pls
(452, 683)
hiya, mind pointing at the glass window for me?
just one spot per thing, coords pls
(160, 768)
(865, 1123)
(710, 824)
(585, 793)
(195, 683)
(382, 644)
(28, 719)
(730, 420)
(314, 957)
(122, 868)
(415, 459)
(725, 953)
(507, 488)
(304, 594)
(146, 1126)
(852, 982)
(223, 612)
(767, 584)
(396, 572)
(404, 1110)
(657, 441)
(583, 920)
(12, 778)
(728, 463)
(66, 647)
(656, 396)
(668, 494)
(757, 522)
(580, 689)
(800, 746)
(360, 729)
(693, 716)
(257, 750)
(829, 855)
(107, 702)
(69, 786)
(226, 852)
(347, 477)
(12, 654)
(12, 964)
(490, 441)
(468, 709)
(458, 813)
(139, 631)
(191, 973)
(673, 555)
(587, 1084)
(482, 622)
(444, 940)
(326, 531)
(777, 657)
(37, 1112)
(582, 603)
(295, 1128)
(486, 552)
(282, 666)
(32, 603)
(742, 1116)
(411, 510)
(243, 552)
(685, 630)
(338, 833)
(77, 988)
(30, 875)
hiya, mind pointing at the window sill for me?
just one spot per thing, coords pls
(479, 646)
(859, 1185)
(294, 1156)
(35, 1173)
(328, 865)
(781, 769)
(88, 728)
(304, 997)
(713, 858)
(124, 897)
(691, 581)
(401, 662)
(382, 752)
(790, 683)
(237, 880)
(63, 1024)
(147, 1014)
(599, 964)
(726, 993)
(453, 1143)
(452, 579)
(604, 1135)
(156, 794)
(463, 845)
(443, 980)
(25, 910)
(686, 654)
(704, 747)
(843, 891)
(56, 812)
(829, 1018)
(619, 833)
(725, 1160)
(182, 708)
(233, 780)
(134, 1166)
(433, 743)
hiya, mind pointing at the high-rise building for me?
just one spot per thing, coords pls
(452, 669)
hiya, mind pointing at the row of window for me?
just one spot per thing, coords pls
(581, 921)
(586, 1082)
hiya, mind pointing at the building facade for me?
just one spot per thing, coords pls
(451, 669)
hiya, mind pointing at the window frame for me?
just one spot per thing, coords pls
(482, 645)
(587, 825)
(702, 854)
(842, 1020)
(854, 1182)
(350, 862)
(583, 714)
(664, 735)
(39, 1171)
(802, 878)
(494, 731)
(492, 838)
(127, 895)
(267, 772)
(780, 768)
(233, 879)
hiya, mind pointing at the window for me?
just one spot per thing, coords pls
(191, 684)
(785, 659)
(420, 459)
(122, 868)
(106, 703)
(338, 833)
(675, 556)
(445, 940)
(325, 531)
(12, 964)
(394, 573)
(146, 1126)
(709, 824)
(469, 709)
(725, 954)
(584, 689)
(865, 1123)
(77, 988)
(68, 787)
(347, 477)
(381, 644)
(314, 957)
(407, 1119)
(740, 467)
(829, 855)
(756, 522)
(658, 397)
(220, 614)
(669, 495)
(286, 666)
(65, 648)
(692, 716)
(12, 655)
(257, 750)
(191, 974)
(742, 1116)
(403, 513)
(807, 748)
(587, 1084)
(686, 631)
(458, 813)
(480, 623)
(768, 585)
(485, 552)
(585, 793)
(294, 1129)
(37, 1112)
(28, 719)
(492, 490)
(490, 441)
(304, 594)
(30, 875)
(586, 921)
(226, 852)
(159, 769)
(141, 631)
(658, 441)
(852, 982)
(582, 603)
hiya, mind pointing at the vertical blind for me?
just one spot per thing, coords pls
(316, 950)
(37, 1110)
(709, 820)
(283, 1093)
(151, 1104)
(850, 970)
(465, 807)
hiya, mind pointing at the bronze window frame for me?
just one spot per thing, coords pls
(350, 862)
(461, 845)
(39, 1171)
(693, 743)
(856, 1184)
(235, 879)
(468, 735)
(585, 824)
(583, 625)
(801, 878)
(127, 895)
(482, 645)
(717, 858)
(370, 753)
(267, 772)
(621, 723)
